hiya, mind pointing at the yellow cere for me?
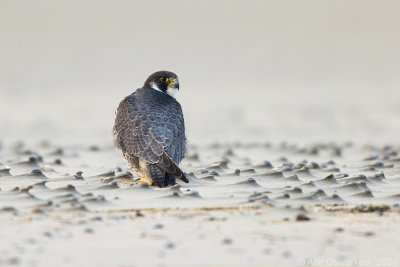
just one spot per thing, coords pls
(173, 80)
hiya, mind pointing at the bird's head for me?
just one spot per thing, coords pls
(163, 81)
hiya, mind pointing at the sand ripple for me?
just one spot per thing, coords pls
(220, 175)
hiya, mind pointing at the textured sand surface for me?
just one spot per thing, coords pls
(314, 73)
(247, 204)
(93, 178)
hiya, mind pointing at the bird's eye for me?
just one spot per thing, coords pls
(163, 79)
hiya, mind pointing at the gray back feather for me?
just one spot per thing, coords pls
(149, 122)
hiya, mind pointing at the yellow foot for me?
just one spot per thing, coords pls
(145, 181)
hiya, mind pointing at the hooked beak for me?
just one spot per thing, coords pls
(173, 87)
(174, 84)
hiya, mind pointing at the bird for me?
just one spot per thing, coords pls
(149, 129)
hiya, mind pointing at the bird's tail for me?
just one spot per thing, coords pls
(157, 175)
(169, 166)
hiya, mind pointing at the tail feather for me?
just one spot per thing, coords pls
(157, 175)
(169, 166)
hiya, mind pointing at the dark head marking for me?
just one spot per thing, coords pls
(164, 81)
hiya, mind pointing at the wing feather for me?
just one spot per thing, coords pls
(150, 131)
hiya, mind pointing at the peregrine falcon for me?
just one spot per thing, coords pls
(150, 131)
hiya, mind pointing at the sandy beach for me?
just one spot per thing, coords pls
(292, 119)
(246, 204)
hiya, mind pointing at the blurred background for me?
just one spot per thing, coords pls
(297, 71)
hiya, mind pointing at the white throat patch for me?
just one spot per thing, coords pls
(155, 87)
(172, 91)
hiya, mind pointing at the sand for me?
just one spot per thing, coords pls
(256, 204)
(292, 116)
